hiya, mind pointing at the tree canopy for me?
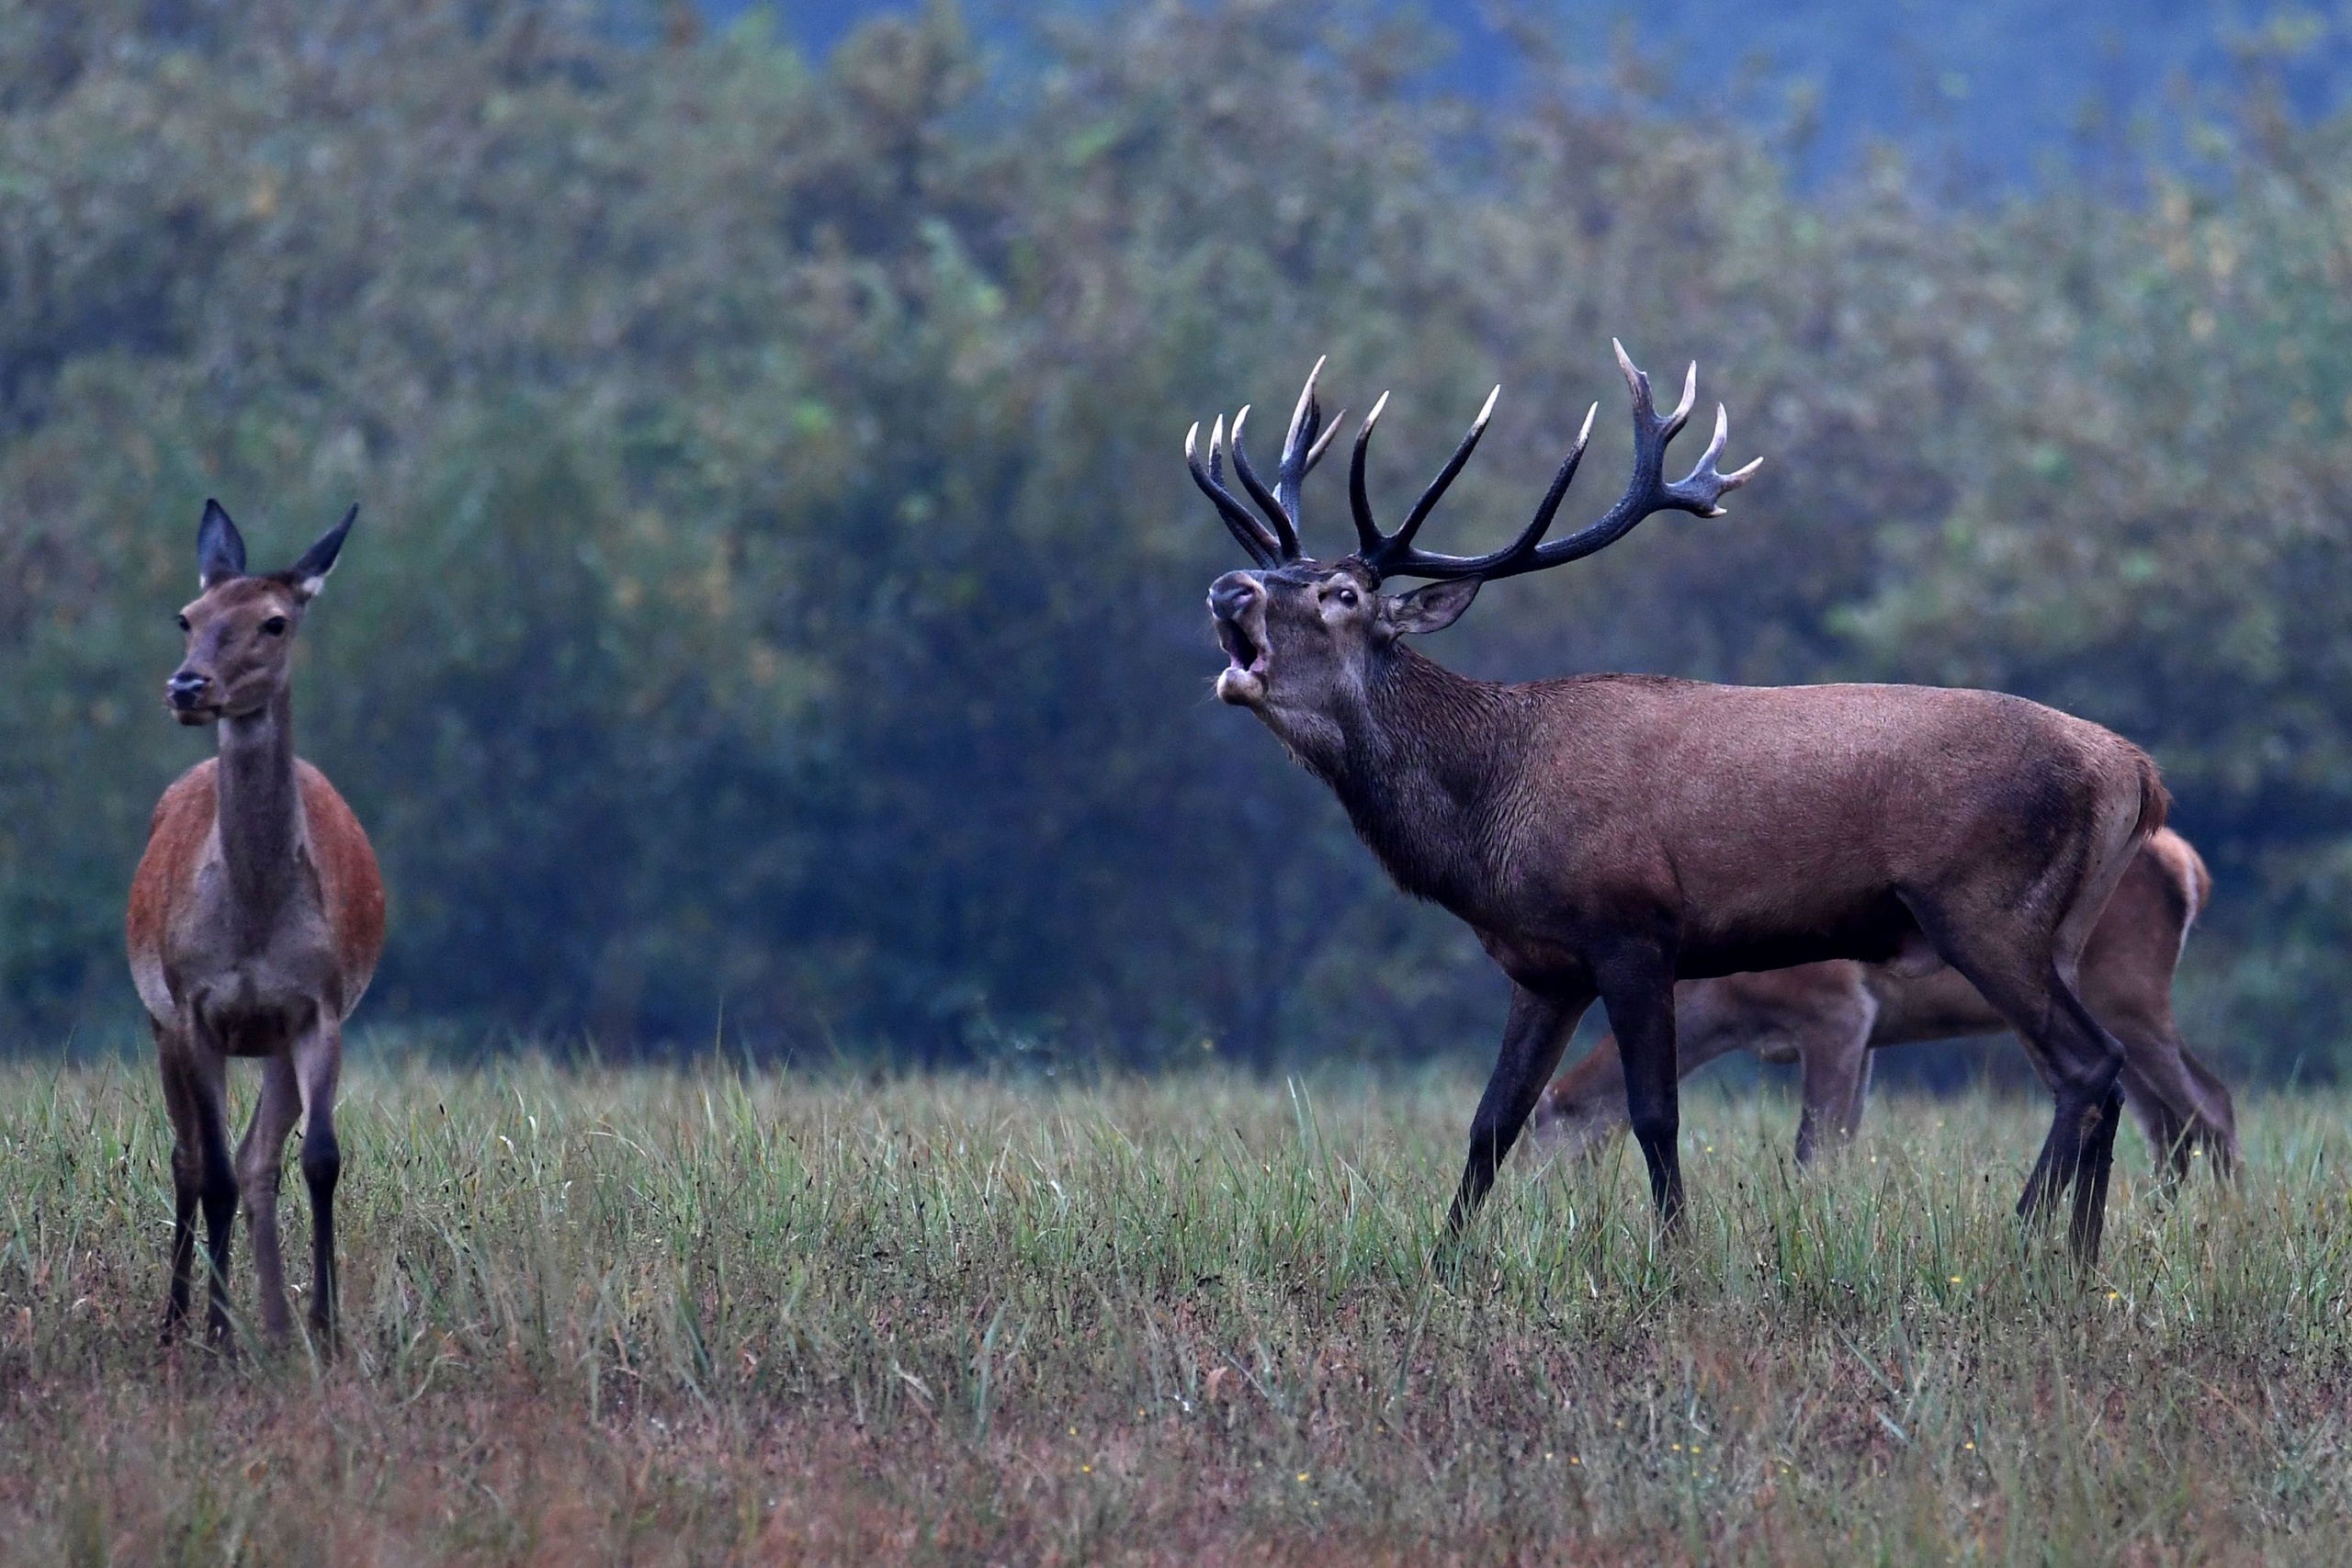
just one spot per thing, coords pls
(775, 608)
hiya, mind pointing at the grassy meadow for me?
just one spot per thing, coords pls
(602, 1316)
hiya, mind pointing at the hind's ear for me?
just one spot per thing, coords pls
(307, 575)
(220, 548)
(1432, 608)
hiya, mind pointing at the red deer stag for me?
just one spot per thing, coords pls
(257, 918)
(1831, 1016)
(1607, 835)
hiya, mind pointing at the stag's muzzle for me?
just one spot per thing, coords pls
(1238, 608)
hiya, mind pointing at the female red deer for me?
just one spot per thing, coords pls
(1830, 1017)
(257, 918)
(1608, 835)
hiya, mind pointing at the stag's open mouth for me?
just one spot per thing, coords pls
(1243, 680)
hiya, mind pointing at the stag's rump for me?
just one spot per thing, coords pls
(1786, 825)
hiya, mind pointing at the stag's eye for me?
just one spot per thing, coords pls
(274, 627)
(1348, 597)
(182, 620)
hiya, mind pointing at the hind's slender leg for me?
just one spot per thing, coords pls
(318, 1069)
(1836, 1051)
(261, 1163)
(206, 1078)
(188, 1174)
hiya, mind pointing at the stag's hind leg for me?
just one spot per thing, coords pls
(2024, 961)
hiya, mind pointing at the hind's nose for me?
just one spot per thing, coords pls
(186, 689)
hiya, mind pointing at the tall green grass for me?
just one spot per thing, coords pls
(701, 1318)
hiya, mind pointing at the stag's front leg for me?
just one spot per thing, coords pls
(1534, 1037)
(1637, 987)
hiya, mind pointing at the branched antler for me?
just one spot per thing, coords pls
(1699, 492)
(1273, 540)
(1302, 450)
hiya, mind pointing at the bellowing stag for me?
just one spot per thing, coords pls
(1830, 1017)
(1608, 835)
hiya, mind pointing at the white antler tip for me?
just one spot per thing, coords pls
(1238, 419)
(1741, 475)
(1192, 438)
(1488, 412)
(1590, 415)
(1371, 418)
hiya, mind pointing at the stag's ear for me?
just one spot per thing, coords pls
(307, 575)
(1432, 608)
(220, 548)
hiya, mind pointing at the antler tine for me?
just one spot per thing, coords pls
(1682, 414)
(1700, 490)
(1285, 529)
(1299, 446)
(1549, 507)
(1323, 445)
(1262, 546)
(1358, 499)
(1399, 547)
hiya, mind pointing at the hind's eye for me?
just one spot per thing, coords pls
(275, 625)
(182, 620)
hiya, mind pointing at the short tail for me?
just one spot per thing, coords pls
(2155, 800)
(2200, 883)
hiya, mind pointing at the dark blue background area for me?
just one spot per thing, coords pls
(1993, 91)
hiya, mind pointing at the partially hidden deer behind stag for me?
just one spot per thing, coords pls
(257, 919)
(1608, 835)
(1830, 1018)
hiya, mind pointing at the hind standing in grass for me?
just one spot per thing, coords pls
(257, 918)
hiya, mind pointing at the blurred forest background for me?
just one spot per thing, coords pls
(775, 615)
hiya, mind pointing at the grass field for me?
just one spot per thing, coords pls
(650, 1318)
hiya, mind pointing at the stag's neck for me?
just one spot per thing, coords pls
(1419, 771)
(259, 810)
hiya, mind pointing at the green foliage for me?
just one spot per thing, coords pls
(775, 608)
(700, 1317)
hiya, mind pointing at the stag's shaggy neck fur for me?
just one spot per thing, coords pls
(1420, 764)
